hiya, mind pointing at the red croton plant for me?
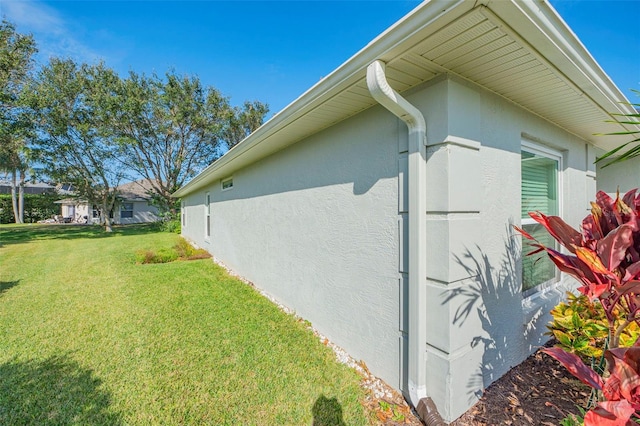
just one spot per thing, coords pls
(605, 259)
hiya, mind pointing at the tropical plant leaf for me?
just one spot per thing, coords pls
(558, 228)
(575, 366)
(610, 413)
(612, 248)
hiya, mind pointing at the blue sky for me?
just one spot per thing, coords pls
(273, 51)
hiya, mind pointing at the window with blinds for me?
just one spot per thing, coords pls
(540, 187)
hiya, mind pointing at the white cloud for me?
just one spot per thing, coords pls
(53, 35)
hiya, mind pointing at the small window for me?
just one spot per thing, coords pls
(183, 214)
(207, 215)
(227, 183)
(540, 180)
(126, 210)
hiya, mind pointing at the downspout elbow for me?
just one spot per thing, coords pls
(388, 98)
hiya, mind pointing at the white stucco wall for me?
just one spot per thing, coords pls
(316, 227)
(474, 267)
(321, 227)
(624, 175)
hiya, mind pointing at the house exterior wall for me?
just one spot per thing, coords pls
(321, 226)
(75, 211)
(316, 227)
(479, 323)
(143, 212)
(624, 175)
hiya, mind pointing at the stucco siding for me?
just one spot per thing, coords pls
(316, 227)
(624, 175)
(479, 323)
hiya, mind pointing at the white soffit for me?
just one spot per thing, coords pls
(535, 62)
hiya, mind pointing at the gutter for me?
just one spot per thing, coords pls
(417, 180)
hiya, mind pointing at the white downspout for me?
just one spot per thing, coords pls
(417, 193)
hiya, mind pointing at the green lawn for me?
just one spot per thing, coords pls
(88, 337)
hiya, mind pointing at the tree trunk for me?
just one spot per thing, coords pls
(21, 197)
(107, 219)
(14, 201)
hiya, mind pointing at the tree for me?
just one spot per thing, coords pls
(76, 145)
(16, 60)
(243, 121)
(170, 129)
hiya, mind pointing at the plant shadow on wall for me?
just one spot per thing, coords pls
(495, 298)
(53, 391)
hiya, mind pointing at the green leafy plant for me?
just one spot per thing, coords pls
(574, 419)
(159, 256)
(631, 119)
(580, 326)
(182, 250)
(605, 258)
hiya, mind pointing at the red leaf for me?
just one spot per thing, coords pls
(630, 287)
(558, 228)
(612, 248)
(524, 233)
(627, 376)
(610, 413)
(630, 197)
(591, 259)
(632, 271)
(574, 364)
(591, 228)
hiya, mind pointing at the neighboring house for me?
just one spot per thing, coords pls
(29, 187)
(134, 206)
(396, 241)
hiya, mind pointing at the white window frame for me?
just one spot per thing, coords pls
(553, 154)
(183, 213)
(226, 181)
(207, 216)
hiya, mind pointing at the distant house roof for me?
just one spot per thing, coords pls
(138, 190)
(29, 187)
(521, 51)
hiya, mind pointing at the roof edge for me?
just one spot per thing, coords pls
(395, 35)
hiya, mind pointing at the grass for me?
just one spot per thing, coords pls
(89, 337)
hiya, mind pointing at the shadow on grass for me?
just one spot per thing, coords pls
(327, 412)
(25, 233)
(55, 391)
(7, 285)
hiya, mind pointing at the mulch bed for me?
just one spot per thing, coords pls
(537, 392)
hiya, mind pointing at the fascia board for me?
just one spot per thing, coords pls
(548, 34)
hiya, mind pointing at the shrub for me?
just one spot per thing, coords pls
(580, 326)
(172, 226)
(181, 251)
(160, 256)
(186, 251)
(605, 258)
